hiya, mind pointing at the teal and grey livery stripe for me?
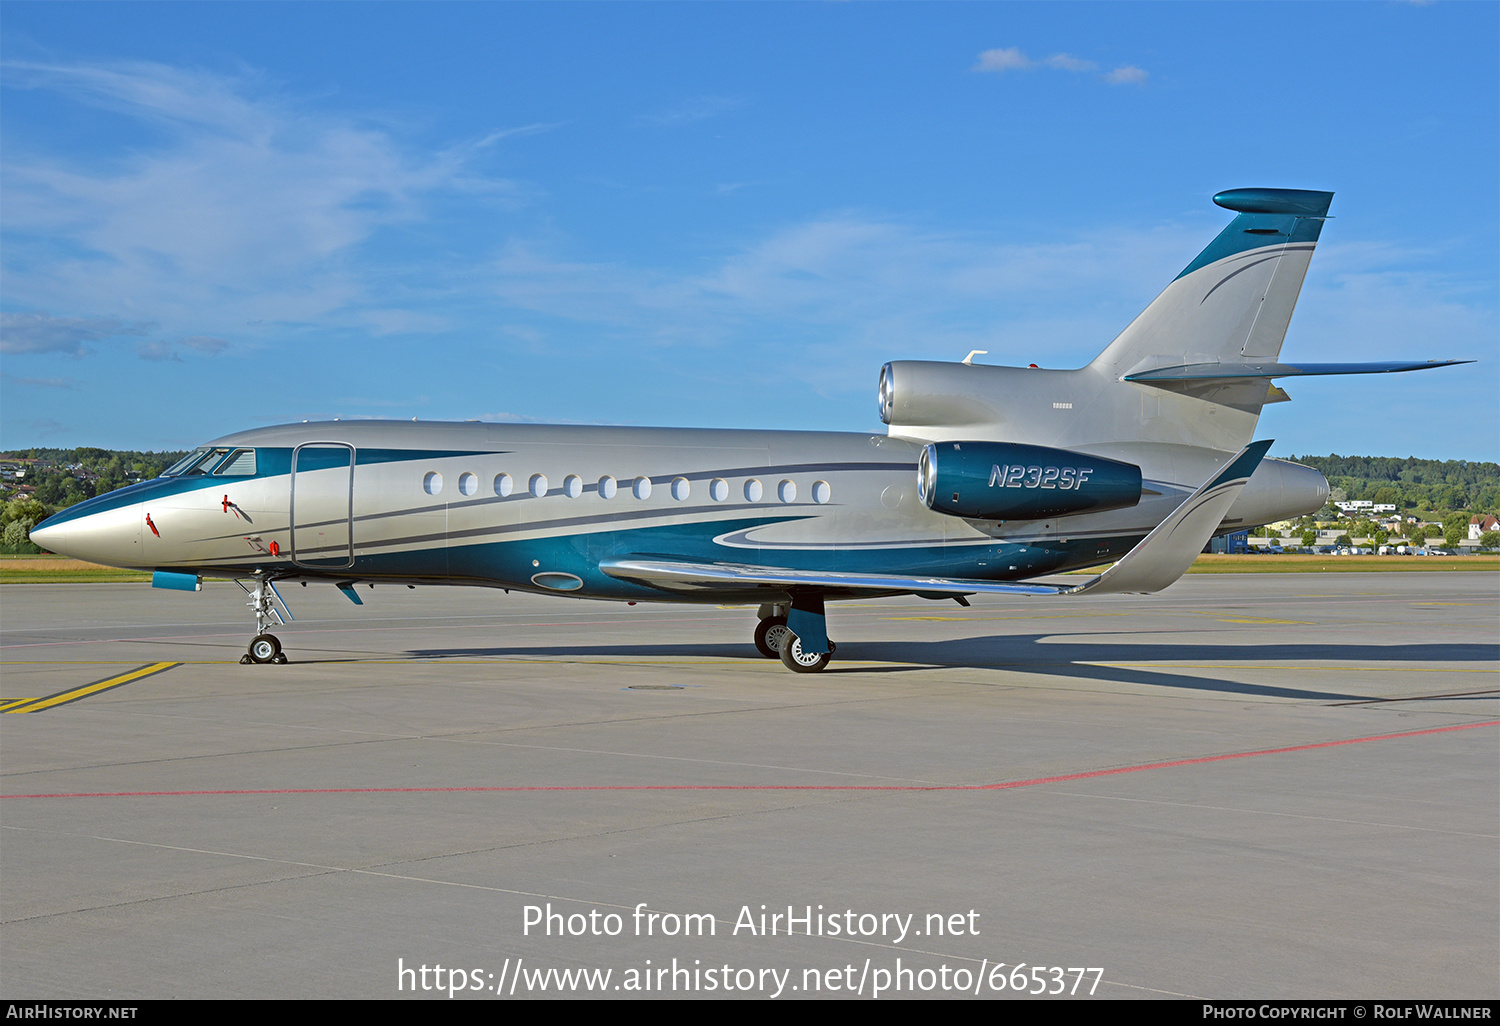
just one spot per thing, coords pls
(1268, 218)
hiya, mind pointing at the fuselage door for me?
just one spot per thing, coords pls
(322, 505)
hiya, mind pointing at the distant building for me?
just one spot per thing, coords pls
(1479, 525)
(1234, 544)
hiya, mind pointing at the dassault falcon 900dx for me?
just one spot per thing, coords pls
(986, 478)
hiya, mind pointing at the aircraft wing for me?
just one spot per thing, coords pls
(1156, 561)
(680, 576)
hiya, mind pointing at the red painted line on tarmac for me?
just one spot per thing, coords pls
(1007, 785)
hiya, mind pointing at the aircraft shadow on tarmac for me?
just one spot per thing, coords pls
(1032, 653)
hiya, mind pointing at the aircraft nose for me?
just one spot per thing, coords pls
(107, 537)
(62, 538)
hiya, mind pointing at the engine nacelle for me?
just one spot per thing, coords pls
(1007, 481)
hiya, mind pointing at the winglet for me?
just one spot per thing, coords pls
(1165, 554)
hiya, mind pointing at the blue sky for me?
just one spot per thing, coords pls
(219, 216)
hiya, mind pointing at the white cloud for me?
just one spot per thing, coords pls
(1366, 301)
(1012, 59)
(405, 322)
(1009, 59)
(240, 208)
(511, 133)
(823, 296)
(42, 333)
(206, 344)
(64, 383)
(164, 350)
(157, 352)
(699, 108)
(1128, 75)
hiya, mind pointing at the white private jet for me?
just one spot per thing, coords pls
(986, 478)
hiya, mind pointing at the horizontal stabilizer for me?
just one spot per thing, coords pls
(1159, 559)
(1216, 371)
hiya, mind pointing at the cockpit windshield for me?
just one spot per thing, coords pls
(218, 461)
(192, 459)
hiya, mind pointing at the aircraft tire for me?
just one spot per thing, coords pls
(794, 659)
(264, 648)
(768, 636)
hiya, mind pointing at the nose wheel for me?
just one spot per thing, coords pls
(264, 648)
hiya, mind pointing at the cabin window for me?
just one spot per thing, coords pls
(503, 485)
(718, 489)
(538, 485)
(432, 484)
(468, 484)
(821, 493)
(752, 490)
(572, 486)
(787, 491)
(607, 487)
(240, 463)
(642, 488)
(680, 488)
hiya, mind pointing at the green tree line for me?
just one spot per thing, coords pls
(1412, 484)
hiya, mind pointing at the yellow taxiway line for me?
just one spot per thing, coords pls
(31, 705)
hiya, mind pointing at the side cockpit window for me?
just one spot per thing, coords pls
(240, 463)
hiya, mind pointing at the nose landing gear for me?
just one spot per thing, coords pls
(264, 598)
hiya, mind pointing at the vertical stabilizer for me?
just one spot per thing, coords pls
(1230, 307)
(1233, 302)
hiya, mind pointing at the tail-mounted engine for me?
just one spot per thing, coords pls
(1006, 481)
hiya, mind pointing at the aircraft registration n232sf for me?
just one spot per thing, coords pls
(986, 478)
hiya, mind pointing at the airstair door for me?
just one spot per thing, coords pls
(322, 505)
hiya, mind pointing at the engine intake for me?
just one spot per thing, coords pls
(1007, 481)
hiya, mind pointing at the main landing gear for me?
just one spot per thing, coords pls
(775, 637)
(798, 661)
(769, 632)
(264, 648)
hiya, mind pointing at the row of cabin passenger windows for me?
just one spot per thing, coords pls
(608, 487)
